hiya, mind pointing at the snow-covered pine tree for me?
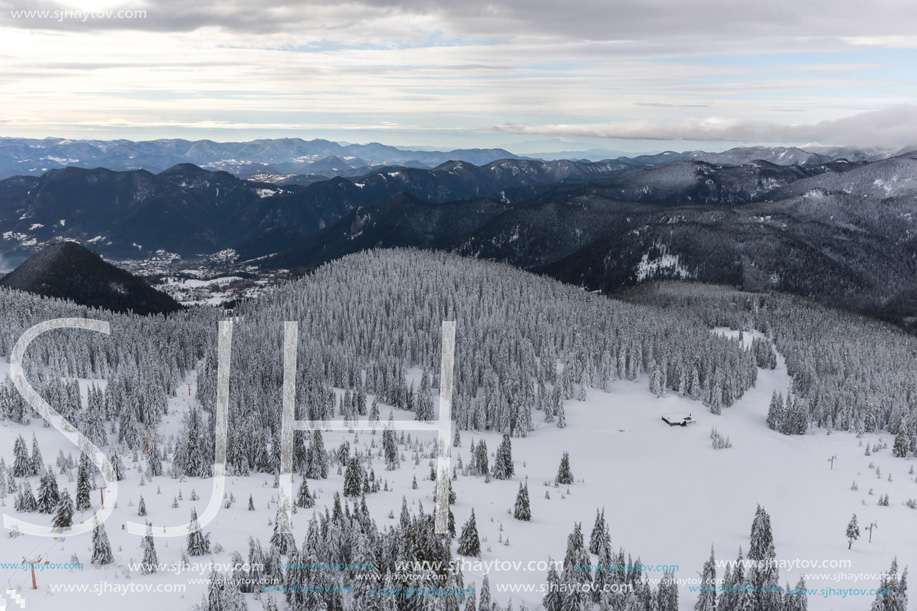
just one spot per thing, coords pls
(83, 487)
(559, 410)
(316, 458)
(503, 461)
(775, 413)
(764, 577)
(891, 595)
(27, 500)
(469, 543)
(853, 531)
(564, 475)
(553, 599)
(797, 599)
(523, 510)
(63, 516)
(22, 464)
(303, 498)
(118, 466)
(486, 602)
(101, 548)
(48, 495)
(599, 534)
(733, 581)
(150, 562)
(36, 463)
(424, 404)
(197, 543)
(353, 478)
(902, 442)
(141, 507)
(576, 556)
(707, 599)
(667, 594)
(155, 462)
(480, 460)
(283, 541)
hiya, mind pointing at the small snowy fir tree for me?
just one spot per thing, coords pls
(600, 535)
(141, 507)
(523, 510)
(22, 464)
(63, 517)
(564, 475)
(150, 560)
(892, 592)
(899, 450)
(282, 538)
(553, 599)
(559, 410)
(303, 499)
(101, 548)
(707, 599)
(118, 467)
(775, 413)
(503, 461)
(353, 478)
(197, 543)
(48, 495)
(853, 531)
(36, 463)
(469, 544)
(83, 487)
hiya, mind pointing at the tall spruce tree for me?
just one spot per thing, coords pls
(764, 578)
(707, 599)
(469, 543)
(197, 543)
(353, 478)
(600, 534)
(36, 463)
(48, 495)
(303, 498)
(63, 516)
(83, 486)
(564, 475)
(22, 464)
(523, 510)
(101, 548)
(150, 562)
(503, 461)
(853, 531)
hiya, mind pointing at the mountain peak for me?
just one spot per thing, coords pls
(66, 270)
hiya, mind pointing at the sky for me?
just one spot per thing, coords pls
(528, 75)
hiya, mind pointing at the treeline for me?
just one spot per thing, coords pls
(524, 345)
(849, 373)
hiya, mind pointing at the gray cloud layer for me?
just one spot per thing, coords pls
(894, 126)
(594, 20)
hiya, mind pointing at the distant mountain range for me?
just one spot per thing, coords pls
(840, 230)
(68, 271)
(276, 157)
(192, 212)
(304, 161)
(842, 233)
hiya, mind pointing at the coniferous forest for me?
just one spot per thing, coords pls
(553, 387)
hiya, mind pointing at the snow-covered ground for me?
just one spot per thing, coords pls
(214, 291)
(666, 493)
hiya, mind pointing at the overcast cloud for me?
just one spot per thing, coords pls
(456, 73)
(895, 126)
